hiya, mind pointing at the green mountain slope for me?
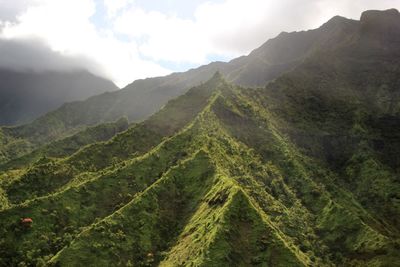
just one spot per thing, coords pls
(226, 187)
(69, 145)
(136, 141)
(17, 142)
(302, 172)
(140, 99)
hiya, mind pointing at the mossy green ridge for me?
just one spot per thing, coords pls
(46, 136)
(302, 172)
(41, 179)
(148, 224)
(69, 145)
(64, 214)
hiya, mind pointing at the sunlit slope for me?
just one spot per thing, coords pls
(39, 179)
(215, 178)
(142, 98)
(69, 145)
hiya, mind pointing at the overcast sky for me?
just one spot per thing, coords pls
(126, 40)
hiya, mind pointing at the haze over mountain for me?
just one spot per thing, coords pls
(36, 80)
(24, 96)
(143, 97)
(302, 170)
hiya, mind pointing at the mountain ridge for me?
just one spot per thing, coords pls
(268, 185)
(143, 97)
(300, 172)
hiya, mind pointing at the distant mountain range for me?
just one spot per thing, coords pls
(287, 157)
(26, 95)
(142, 98)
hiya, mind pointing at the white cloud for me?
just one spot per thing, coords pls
(231, 27)
(226, 28)
(115, 6)
(166, 37)
(10, 8)
(33, 55)
(65, 26)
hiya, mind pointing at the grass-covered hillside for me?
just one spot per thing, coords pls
(215, 178)
(301, 172)
(49, 136)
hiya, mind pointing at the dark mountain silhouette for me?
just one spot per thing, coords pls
(24, 96)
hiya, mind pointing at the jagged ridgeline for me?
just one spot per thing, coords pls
(213, 179)
(301, 172)
(142, 98)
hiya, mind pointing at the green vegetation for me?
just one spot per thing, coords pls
(69, 145)
(47, 136)
(302, 172)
